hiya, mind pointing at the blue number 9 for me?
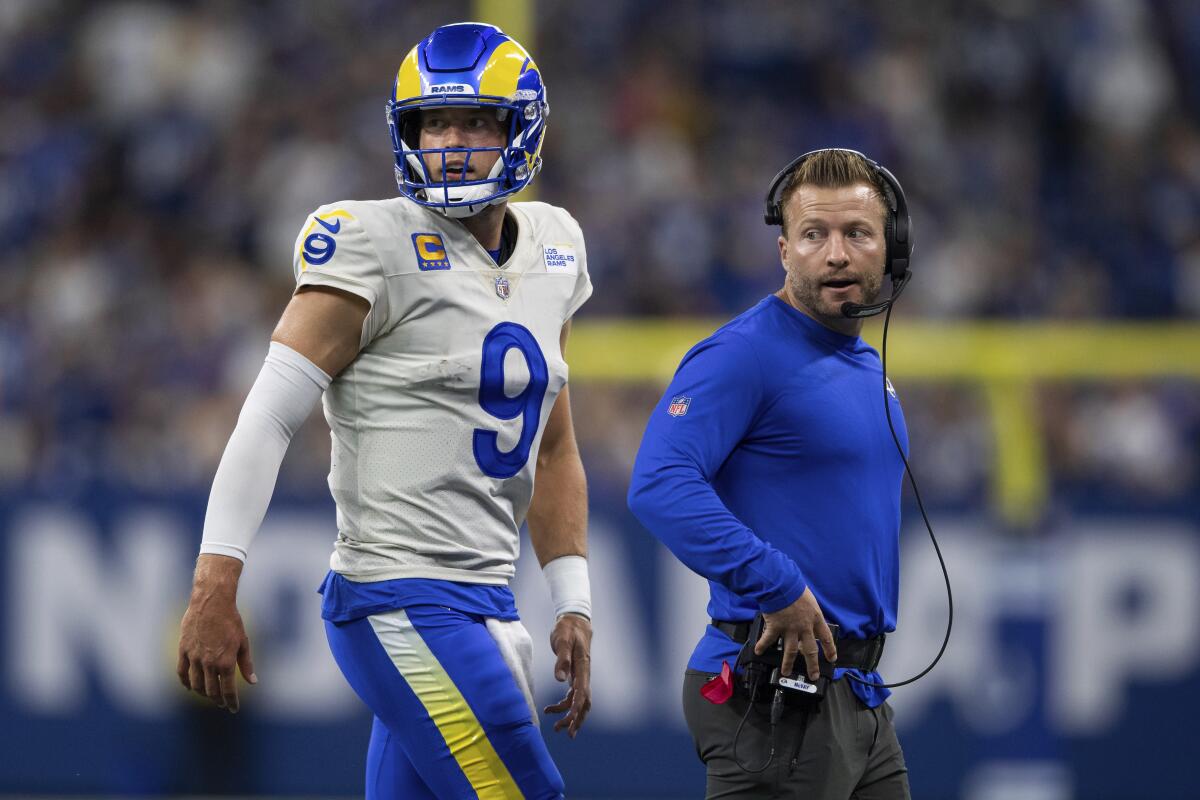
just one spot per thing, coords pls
(318, 248)
(527, 404)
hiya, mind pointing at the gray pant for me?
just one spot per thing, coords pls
(845, 751)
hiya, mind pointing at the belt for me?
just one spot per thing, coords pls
(862, 654)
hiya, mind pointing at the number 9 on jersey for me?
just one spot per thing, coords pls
(526, 404)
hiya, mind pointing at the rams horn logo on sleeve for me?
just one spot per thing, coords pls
(431, 251)
(319, 247)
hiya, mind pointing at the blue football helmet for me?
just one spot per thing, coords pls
(474, 65)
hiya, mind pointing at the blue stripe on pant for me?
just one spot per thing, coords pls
(450, 719)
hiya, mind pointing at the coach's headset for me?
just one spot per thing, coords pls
(897, 230)
(897, 227)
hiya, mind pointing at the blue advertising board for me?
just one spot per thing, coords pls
(1075, 658)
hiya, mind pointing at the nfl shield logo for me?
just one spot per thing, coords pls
(502, 290)
(679, 406)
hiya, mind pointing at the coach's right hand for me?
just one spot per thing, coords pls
(800, 625)
(212, 639)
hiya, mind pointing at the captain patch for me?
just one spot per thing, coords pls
(431, 251)
(561, 258)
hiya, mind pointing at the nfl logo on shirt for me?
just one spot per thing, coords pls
(679, 406)
(502, 289)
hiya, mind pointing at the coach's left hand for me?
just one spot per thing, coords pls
(571, 642)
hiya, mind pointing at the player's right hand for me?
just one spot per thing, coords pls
(212, 639)
(800, 625)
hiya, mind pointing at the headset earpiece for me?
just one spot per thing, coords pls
(773, 213)
(889, 240)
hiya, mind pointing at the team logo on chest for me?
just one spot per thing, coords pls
(891, 389)
(560, 258)
(503, 288)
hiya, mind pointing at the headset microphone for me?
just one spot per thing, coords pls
(861, 310)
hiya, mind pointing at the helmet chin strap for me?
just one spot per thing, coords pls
(442, 195)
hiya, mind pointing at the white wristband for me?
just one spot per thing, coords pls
(570, 590)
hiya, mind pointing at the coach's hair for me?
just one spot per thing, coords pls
(833, 169)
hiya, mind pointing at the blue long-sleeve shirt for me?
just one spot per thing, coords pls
(768, 467)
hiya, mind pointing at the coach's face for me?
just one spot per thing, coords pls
(453, 127)
(833, 251)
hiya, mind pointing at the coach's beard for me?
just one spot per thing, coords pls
(823, 297)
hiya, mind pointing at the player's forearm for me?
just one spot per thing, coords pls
(558, 529)
(280, 400)
(558, 512)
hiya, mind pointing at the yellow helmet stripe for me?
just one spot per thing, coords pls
(503, 69)
(408, 77)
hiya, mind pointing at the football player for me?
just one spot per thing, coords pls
(434, 324)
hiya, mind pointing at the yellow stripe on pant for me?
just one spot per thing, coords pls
(446, 706)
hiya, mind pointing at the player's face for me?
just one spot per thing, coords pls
(460, 127)
(834, 249)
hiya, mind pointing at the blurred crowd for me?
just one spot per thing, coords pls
(157, 160)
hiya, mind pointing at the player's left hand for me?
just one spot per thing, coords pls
(571, 642)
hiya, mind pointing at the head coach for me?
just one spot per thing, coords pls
(770, 468)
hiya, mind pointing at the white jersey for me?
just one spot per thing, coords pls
(436, 423)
